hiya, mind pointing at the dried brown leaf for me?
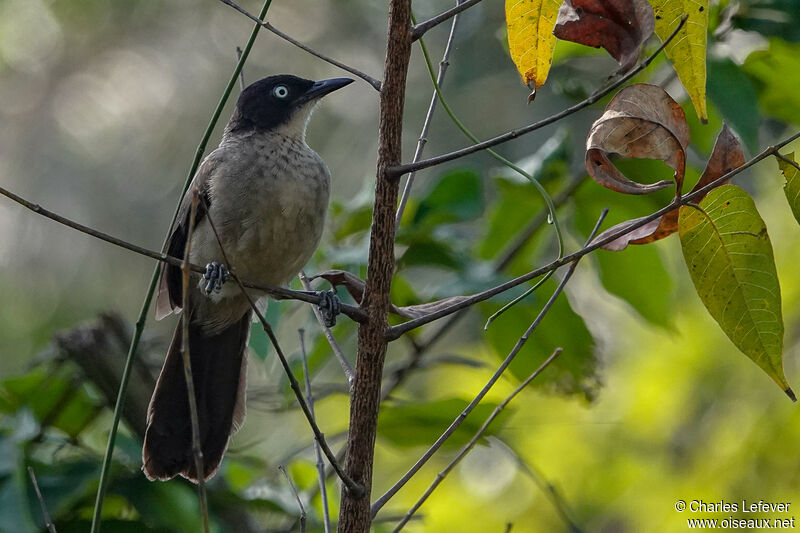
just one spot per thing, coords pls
(619, 26)
(641, 121)
(727, 156)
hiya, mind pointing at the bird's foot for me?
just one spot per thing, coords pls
(330, 305)
(215, 275)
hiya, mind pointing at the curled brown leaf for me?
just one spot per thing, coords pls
(641, 121)
(619, 26)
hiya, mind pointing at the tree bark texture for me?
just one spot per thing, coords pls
(354, 516)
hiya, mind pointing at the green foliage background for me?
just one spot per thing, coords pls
(102, 105)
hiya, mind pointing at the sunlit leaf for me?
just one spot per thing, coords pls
(777, 71)
(641, 121)
(688, 49)
(619, 26)
(792, 186)
(729, 256)
(530, 37)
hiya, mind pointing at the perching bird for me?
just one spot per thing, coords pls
(266, 193)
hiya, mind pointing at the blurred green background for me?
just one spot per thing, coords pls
(102, 104)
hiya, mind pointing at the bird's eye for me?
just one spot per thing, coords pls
(281, 91)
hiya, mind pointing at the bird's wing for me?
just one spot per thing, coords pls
(170, 286)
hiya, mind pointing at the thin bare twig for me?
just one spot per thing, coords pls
(294, 384)
(423, 136)
(347, 368)
(397, 331)
(513, 134)
(323, 489)
(354, 71)
(420, 29)
(296, 497)
(277, 293)
(475, 438)
(197, 451)
(51, 528)
(380, 502)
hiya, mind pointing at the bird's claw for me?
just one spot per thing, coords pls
(215, 275)
(329, 305)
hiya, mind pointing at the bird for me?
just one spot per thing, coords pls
(265, 192)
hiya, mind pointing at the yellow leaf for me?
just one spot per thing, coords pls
(530, 37)
(688, 49)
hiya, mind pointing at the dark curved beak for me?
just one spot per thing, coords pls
(321, 88)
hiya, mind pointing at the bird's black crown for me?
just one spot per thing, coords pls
(272, 101)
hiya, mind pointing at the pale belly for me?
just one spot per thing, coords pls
(270, 230)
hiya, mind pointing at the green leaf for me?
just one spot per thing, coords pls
(638, 276)
(778, 72)
(729, 256)
(687, 50)
(457, 197)
(792, 187)
(430, 252)
(420, 424)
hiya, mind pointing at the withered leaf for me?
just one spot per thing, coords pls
(727, 155)
(619, 26)
(641, 121)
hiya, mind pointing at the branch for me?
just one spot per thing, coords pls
(443, 64)
(420, 29)
(475, 438)
(323, 489)
(354, 514)
(395, 332)
(380, 502)
(351, 485)
(347, 368)
(513, 134)
(142, 319)
(48, 522)
(297, 498)
(355, 72)
(277, 293)
(197, 451)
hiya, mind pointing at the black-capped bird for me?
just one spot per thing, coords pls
(266, 193)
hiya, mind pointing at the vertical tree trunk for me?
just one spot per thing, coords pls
(355, 514)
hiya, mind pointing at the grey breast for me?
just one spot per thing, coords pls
(272, 208)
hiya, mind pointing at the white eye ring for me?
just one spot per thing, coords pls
(281, 91)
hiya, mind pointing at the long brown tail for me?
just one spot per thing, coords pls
(219, 372)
